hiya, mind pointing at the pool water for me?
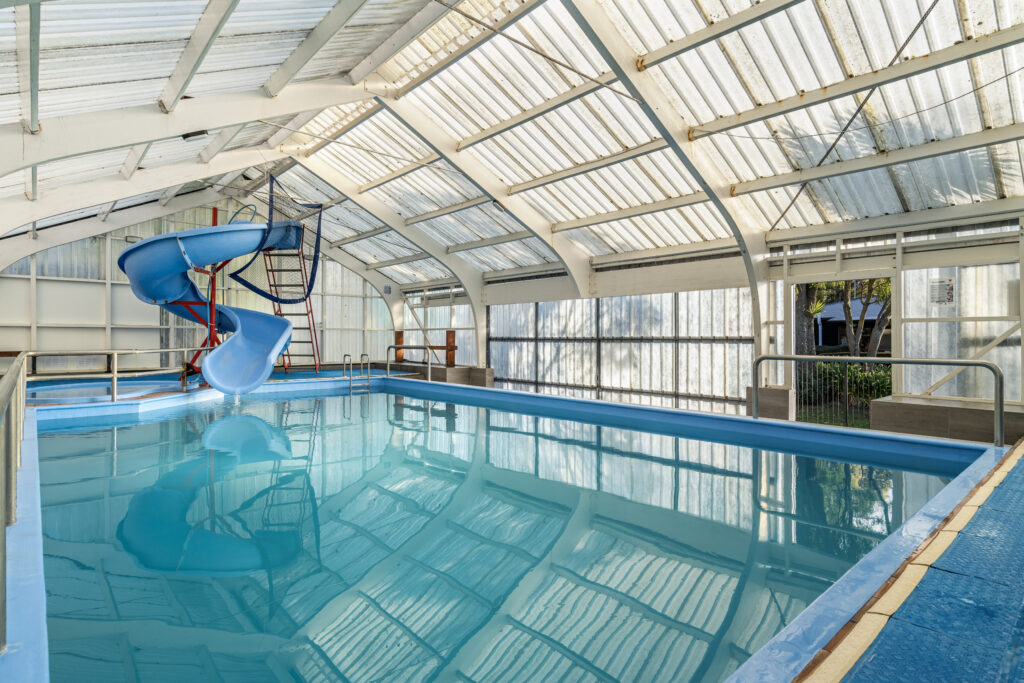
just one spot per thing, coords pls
(386, 537)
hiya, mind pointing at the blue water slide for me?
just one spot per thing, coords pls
(158, 271)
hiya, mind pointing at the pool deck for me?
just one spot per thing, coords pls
(955, 609)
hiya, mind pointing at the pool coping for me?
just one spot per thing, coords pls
(791, 650)
(27, 657)
(841, 654)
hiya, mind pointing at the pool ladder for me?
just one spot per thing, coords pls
(363, 382)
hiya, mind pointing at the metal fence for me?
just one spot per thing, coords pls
(838, 390)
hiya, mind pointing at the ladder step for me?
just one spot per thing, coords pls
(284, 270)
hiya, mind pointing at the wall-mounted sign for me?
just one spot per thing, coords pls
(942, 291)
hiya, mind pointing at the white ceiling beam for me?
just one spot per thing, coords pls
(107, 208)
(460, 46)
(446, 210)
(16, 211)
(19, 246)
(587, 167)
(199, 43)
(965, 214)
(170, 193)
(361, 236)
(905, 155)
(572, 257)
(134, 159)
(630, 212)
(734, 22)
(335, 20)
(26, 42)
(397, 41)
(491, 241)
(985, 138)
(399, 172)
(418, 256)
(717, 246)
(296, 123)
(67, 136)
(897, 72)
(595, 23)
(219, 142)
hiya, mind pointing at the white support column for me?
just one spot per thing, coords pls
(206, 31)
(335, 20)
(607, 39)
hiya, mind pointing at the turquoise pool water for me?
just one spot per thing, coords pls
(386, 537)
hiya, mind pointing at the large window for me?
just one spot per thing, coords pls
(689, 350)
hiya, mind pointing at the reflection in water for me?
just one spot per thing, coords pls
(385, 537)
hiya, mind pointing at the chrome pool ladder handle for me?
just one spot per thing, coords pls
(395, 347)
(364, 381)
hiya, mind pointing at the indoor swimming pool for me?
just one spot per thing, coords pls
(420, 534)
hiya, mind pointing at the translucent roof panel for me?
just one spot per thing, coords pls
(10, 100)
(374, 148)
(105, 55)
(372, 24)
(257, 37)
(381, 248)
(427, 189)
(173, 150)
(416, 271)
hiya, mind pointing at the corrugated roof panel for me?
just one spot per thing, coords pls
(10, 102)
(381, 248)
(304, 186)
(370, 27)
(440, 39)
(255, 134)
(425, 190)
(374, 148)
(327, 122)
(257, 37)
(590, 128)
(80, 168)
(173, 150)
(416, 271)
(109, 54)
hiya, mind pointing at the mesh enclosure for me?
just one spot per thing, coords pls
(285, 276)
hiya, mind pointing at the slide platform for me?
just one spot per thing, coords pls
(158, 271)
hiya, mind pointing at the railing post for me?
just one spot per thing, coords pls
(113, 377)
(10, 464)
(846, 394)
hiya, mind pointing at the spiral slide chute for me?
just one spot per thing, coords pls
(158, 271)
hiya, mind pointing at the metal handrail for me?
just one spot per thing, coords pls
(114, 374)
(12, 425)
(361, 357)
(997, 374)
(420, 347)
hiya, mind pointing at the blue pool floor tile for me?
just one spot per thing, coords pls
(906, 652)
